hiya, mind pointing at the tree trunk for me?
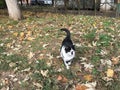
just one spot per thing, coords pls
(66, 2)
(13, 9)
(53, 2)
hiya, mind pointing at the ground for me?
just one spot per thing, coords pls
(29, 52)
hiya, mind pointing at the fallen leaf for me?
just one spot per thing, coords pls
(30, 55)
(10, 26)
(6, 81)
(45, 45)
(37, 85)
(88, 77)
(91, 85)
(29, 33)
(26, 70)
(110, 73)
(8, 45)
(59, 78)
(15, 34)
(30, 38)
(80, 87)
(115, 60)
(22, 35)
(12, 64)
(62, 79)
(44, 73)
(107, 79)
(104, 62)
(41, 56)
(26, 78)
(78, 73)
(88, 66)
(50, 56)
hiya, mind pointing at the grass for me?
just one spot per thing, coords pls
(97, 38)
(104, 40)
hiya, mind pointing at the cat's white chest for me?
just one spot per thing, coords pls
(67, 56)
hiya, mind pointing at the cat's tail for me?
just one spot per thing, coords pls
(67, 31)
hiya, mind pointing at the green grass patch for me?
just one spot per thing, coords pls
(104, 40)
(41, 65)
(18, 61)
(95, 59)
(90, 36)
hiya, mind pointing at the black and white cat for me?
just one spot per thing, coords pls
(67, 51)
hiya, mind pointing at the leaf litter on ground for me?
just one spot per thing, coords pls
(39, 40)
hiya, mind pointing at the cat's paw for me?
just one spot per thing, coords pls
(69, 63)
(67, 67)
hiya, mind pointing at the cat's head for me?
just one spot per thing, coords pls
(70, 50)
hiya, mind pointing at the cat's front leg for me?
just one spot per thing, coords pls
(67, 65)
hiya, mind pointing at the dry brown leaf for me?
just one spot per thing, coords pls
(37, 84)
(62, 79)
(65, 80)
(78, 73)
(15, 34)
(41, 56)
(10, 27)
(29, 33)
(115, 60)
(30, 38)
(59, 78)
(110, 73)
(44, 45)
(44, 73)
(30, 55)
(81, 87)
(8, 45)
(12, 64)
(88, 77)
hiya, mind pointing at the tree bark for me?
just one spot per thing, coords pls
(53, 2)
(13, 9)
(66, 2)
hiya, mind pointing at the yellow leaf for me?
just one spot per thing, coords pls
(9, 45)
(88, 77)
(81, 87)
(30, 38)
(15, 34)
(10, 27)
(22, 34)
(110, 73)
(29, 33)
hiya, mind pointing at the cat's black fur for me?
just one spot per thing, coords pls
(67, 42)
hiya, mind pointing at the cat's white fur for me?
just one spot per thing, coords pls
(67, 56)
